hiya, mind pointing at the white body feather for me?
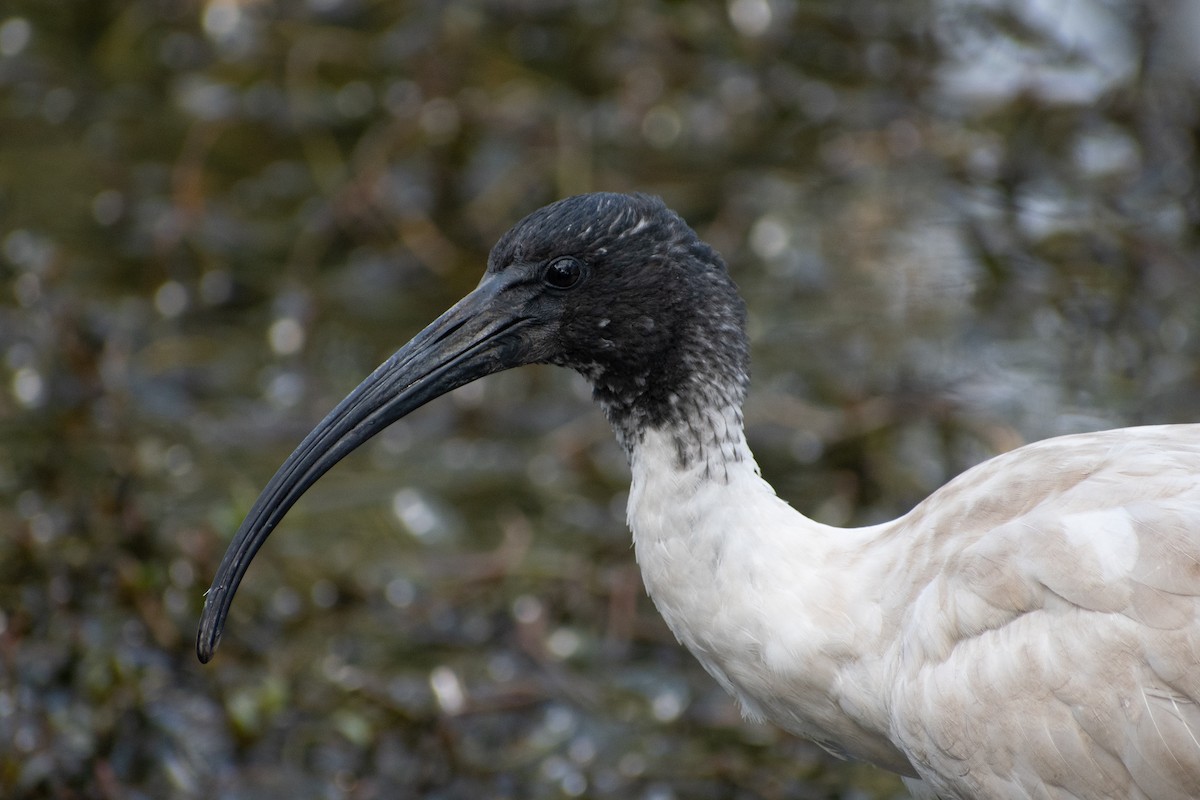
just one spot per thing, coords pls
(1030, 630)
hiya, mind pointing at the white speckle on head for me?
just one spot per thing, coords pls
(1109, 535)
(603, 323)
(623, 227)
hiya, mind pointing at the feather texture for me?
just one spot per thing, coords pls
(1028, 630)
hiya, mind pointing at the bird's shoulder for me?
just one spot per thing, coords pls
(1056, 601)
(1106, 521)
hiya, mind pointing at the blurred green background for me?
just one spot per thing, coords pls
(960, 225)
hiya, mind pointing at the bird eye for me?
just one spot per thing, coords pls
(563, 273)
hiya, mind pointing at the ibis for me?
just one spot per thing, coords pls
(1029, 630)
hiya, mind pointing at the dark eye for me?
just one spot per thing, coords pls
(563, 273)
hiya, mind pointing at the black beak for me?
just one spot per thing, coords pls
(477, 337)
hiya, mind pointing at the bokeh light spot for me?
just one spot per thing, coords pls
(286, 336)
(15, 33)
(750, 17)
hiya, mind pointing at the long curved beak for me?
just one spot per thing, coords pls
(474, 338)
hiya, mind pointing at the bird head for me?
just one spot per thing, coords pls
(617, 287)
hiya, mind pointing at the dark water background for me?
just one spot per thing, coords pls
(960, 225)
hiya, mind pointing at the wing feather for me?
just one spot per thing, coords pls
(1057, 654)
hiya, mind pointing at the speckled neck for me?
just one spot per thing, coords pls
(702, 414)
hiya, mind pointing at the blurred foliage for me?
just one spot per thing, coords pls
(959, 224)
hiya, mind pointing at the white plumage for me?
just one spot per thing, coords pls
(1031, 629)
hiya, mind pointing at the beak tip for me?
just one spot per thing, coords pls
(206, 644)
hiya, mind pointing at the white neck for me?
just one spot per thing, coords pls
(721, 554)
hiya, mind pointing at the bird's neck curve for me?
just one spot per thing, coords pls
(720, 554)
